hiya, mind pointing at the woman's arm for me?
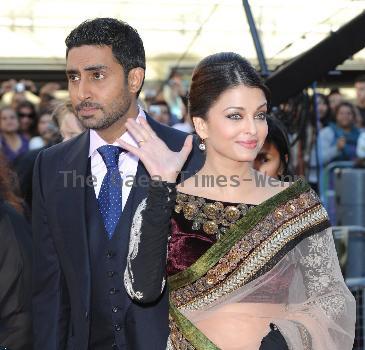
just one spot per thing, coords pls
(144, 277)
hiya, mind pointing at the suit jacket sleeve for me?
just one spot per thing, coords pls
(144, 277)
(49, 321)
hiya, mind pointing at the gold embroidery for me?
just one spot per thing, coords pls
(176, 339)
(249, 255)
(213, 217)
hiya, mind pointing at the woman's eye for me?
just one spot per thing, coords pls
(261, 116)
(234, 116)
(262, 158)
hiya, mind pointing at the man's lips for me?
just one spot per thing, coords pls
(248, 144)
(87, 111)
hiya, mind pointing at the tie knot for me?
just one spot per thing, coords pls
(110, 155)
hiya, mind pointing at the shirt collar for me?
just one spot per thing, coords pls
(96, 141)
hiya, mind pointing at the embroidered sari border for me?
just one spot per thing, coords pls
(263, 258)
(191, 333)
(239, 230)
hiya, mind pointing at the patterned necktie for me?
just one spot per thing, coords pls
(110, 195)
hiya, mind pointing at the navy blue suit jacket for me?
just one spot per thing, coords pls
(61, 262)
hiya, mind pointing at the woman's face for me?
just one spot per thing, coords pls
(9, 121)
(268, 161)
(43, 123)
(26, 118)
(322, 107)
(235, 127)
(70, 127)
(344, 117)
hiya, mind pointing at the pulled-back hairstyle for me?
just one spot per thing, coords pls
(217, 73)
(124, 40)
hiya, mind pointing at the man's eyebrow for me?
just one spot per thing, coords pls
(91, 68)
(95, 67)
(71, 71)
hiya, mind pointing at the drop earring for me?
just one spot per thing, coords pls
(202, 145)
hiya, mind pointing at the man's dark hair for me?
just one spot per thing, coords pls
(360, 79)
(125, 42)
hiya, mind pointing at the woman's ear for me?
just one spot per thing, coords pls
(135, 79)
(201, 127)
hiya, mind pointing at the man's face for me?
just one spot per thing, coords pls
(97, 86)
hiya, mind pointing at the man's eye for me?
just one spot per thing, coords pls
(73, 77)
(98, 76)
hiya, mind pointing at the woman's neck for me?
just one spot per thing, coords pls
(12, 139)
(227, 168)
(221, 178)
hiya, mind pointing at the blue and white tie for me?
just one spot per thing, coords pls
(110, 195)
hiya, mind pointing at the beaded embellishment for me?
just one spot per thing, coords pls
(213, 217)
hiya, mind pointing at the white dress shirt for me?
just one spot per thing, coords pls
(128, 162)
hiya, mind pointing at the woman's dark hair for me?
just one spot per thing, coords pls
(278, 137)
(349, 105)
(9, 186)
(217, 73)
(327, 117)
(124, 40)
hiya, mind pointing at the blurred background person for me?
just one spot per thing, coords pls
(360, 97)
(46, 129)
(338, 141)
(321, 107)
(27, 119)
(15, 266)
(13, 143)
(23, 165)
(274, 157)
(186, 123)
(173, 93)
(334, 99)
(7, 86)
(160, 111)
(66, 121)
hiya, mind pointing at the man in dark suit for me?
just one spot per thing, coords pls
(81, 222)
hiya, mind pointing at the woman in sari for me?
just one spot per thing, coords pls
(251, 262)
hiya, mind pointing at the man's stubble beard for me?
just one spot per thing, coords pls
(117, 111)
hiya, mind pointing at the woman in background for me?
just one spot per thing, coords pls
(15, 266)
(12, 143)
(274, 157)
(337, 142)
(66, 120)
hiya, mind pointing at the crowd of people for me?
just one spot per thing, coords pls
(30, 121)
(99, 271)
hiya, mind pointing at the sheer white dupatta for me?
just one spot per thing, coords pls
(303, 295)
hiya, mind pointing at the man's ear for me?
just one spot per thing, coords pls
(135, 79)
(201, 127)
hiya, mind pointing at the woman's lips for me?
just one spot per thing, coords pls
(248, 144)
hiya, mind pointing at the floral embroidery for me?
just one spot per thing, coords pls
(135, 239)
(320, 271)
